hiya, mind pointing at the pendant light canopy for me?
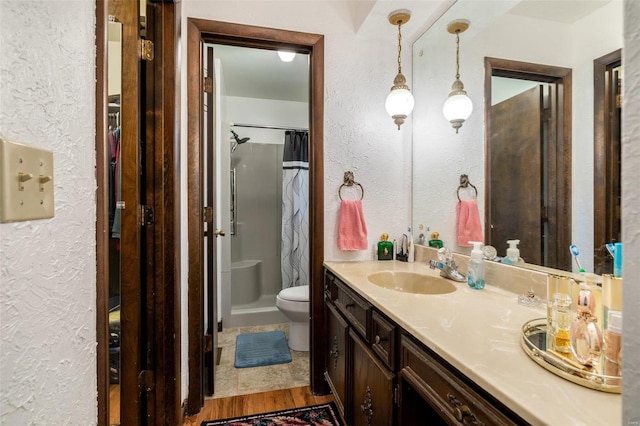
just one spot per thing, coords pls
(458, 106)
(399, 103)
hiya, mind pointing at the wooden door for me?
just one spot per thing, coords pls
(143, 266)
(211, 233)
(516, 174)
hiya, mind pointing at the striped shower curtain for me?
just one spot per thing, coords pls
(295, 209)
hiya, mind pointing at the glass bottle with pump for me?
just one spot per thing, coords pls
(475, 277)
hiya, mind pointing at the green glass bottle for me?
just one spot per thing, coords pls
(385, 248)
(434, 241)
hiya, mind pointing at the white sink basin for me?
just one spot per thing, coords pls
(411, 282)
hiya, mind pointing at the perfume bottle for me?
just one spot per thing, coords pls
(385, 248)
(586, 337)
(561, 322)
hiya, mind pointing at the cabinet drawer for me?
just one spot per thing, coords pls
(383, 338)
(353, 307)
(455, 397)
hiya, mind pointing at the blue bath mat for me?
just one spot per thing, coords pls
(260, 349)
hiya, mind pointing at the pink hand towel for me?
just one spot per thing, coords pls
(469, 226)
(352, 229)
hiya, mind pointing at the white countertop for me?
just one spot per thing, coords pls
(478, 332)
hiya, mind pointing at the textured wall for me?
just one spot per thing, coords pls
(631, 214)
(47, 267)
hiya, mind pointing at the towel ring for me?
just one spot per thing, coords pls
(464, 183)
(348, 181)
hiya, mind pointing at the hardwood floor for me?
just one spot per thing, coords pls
(282, 399)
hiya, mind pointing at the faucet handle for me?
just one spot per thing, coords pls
(445, 255)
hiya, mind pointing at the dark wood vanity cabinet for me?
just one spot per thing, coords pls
(358, 368)
(381, 375)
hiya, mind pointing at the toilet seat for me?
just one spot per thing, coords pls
(295, 294)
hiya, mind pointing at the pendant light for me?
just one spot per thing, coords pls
(458, 106)
(286, 55)
(399, 103)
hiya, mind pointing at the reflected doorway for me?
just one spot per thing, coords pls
(528, 167)
(607, 75)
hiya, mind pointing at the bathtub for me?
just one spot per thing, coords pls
(250, 306)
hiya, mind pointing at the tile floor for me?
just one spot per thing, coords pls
(232, 381)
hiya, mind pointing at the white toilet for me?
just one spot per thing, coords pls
(293, 302)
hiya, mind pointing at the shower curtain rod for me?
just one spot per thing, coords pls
(259, 126)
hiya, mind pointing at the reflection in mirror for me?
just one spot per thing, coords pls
(564, 34)
(114, 77)
(526, 106)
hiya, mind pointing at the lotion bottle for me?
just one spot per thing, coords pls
(475, 277)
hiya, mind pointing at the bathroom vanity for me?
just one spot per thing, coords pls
(398, 358)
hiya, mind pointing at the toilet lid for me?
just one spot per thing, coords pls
(295, 294)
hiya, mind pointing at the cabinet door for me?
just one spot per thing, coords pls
(372, 398)
(336, 355)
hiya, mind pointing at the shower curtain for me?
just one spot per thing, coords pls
(295, 209)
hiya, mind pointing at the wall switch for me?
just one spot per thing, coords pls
(26, 182)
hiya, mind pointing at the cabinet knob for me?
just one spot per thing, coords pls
(379, 339)
(462, 411)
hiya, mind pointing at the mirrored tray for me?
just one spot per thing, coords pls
(534, 343)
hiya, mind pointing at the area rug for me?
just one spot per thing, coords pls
(315, 415)
(260, 349)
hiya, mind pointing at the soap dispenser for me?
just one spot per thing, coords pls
(475, 277)
(513, 253)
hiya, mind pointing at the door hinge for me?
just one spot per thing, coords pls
(396, 395)
(146, 215)
(545, 213)
(207, 213)
(208, 343)
(546, 114)
(146, 50)
(618, 101)
(145, 381)
(208, 85)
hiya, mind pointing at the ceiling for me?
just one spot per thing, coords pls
(259, 73)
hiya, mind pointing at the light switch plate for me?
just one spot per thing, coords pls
(26, 182)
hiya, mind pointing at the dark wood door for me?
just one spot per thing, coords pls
(211, 233)
(516, 174)
(372, 398)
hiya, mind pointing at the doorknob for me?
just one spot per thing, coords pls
(219, 233)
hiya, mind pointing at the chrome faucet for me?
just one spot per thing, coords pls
(447, 266)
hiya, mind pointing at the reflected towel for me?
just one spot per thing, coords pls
(469, 226)
(352, 228)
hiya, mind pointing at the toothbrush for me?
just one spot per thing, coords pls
(612, 249)
(574, 251)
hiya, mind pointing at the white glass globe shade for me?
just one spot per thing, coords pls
(457, 107)
(286, 56)
(399, 102)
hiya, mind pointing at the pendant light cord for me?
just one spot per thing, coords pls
(399, 47)
(457, 55)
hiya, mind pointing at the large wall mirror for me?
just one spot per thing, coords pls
(560, 34)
